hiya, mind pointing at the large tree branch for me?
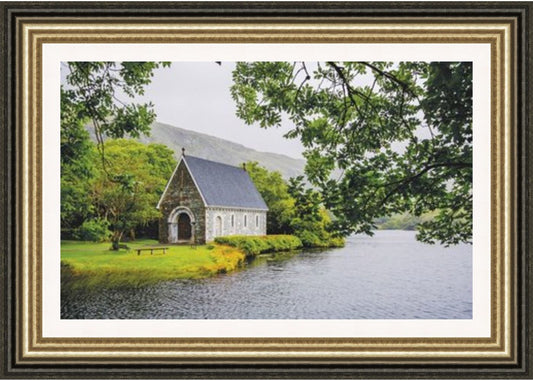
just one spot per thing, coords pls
(351, 91)
(346, 83)
(406, 180)
(403, 183)
(346, 87)
(405, 86)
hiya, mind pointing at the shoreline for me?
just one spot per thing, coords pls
(92, 265)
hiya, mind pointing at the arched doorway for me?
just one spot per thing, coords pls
(181, 222)
(184, 227)
(218, 226)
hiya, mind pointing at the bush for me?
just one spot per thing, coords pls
(319, 239)
(254, 245)
(336, 242)
(310, 239)
(96, 230)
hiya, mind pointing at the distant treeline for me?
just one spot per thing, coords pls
(403, 221)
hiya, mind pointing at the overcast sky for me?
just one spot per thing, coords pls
(196, 96)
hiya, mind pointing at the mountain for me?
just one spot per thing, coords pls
(216, 149)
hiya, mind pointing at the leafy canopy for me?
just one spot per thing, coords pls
(103, 95)
(275, 192)
(293, 208)
(143, 171)
(77, 168)
(379, 137)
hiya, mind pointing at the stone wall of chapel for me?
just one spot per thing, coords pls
(182, 192)
(255, 222)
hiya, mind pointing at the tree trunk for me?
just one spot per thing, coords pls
(115, 240)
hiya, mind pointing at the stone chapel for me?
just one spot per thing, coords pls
(205, 199)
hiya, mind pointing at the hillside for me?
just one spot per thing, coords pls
(224, 151)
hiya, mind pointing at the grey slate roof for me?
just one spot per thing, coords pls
(224, 185)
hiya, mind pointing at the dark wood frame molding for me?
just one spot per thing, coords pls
(520, 12)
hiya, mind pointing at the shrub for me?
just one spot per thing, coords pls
(325, 239)
(310, 239)
(336, 242)
(254, 245)
(95, 230)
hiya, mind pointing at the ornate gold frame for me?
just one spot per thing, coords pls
(32, 349)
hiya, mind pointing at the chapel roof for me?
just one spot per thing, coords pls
(224, 185)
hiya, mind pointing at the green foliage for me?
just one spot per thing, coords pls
(92, 97)
(96, 87)
(254, 245)
(404, 221)
(274, 191)
(312, 238)
(311, 223)
(293, 209)
(95, 230)
(399, 134)
(127, 200)
(77, 168)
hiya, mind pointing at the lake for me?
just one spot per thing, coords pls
(387, 276)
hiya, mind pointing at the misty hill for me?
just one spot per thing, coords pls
(217, 149)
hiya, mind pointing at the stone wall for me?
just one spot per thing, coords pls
(182, 192)
(255, 222)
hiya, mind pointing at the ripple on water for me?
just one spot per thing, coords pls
(388, 276)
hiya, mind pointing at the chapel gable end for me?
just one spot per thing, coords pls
(182, 205)
(181, 189)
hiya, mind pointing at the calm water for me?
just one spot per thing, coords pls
(388, 276)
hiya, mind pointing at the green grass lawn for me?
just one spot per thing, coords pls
(88, 264)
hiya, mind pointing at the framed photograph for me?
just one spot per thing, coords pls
(261, 190)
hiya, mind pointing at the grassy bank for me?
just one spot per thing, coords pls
(87, 264)
(93, 265)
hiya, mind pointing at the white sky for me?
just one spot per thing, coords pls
(196, 96)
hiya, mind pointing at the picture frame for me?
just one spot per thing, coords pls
(28, 27)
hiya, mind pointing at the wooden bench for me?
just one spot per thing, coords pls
(152, 249)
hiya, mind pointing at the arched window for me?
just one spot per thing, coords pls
(218, 226)
(257, 220)
(244, 221)
(233, 220)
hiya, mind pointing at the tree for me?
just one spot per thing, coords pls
(379, 137)
(274, 191)
(96, 88)
(77, 169)
(142, 172)
(95, 96)
(311, 222)
(293, 208)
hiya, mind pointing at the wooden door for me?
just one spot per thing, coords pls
(184, 227)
